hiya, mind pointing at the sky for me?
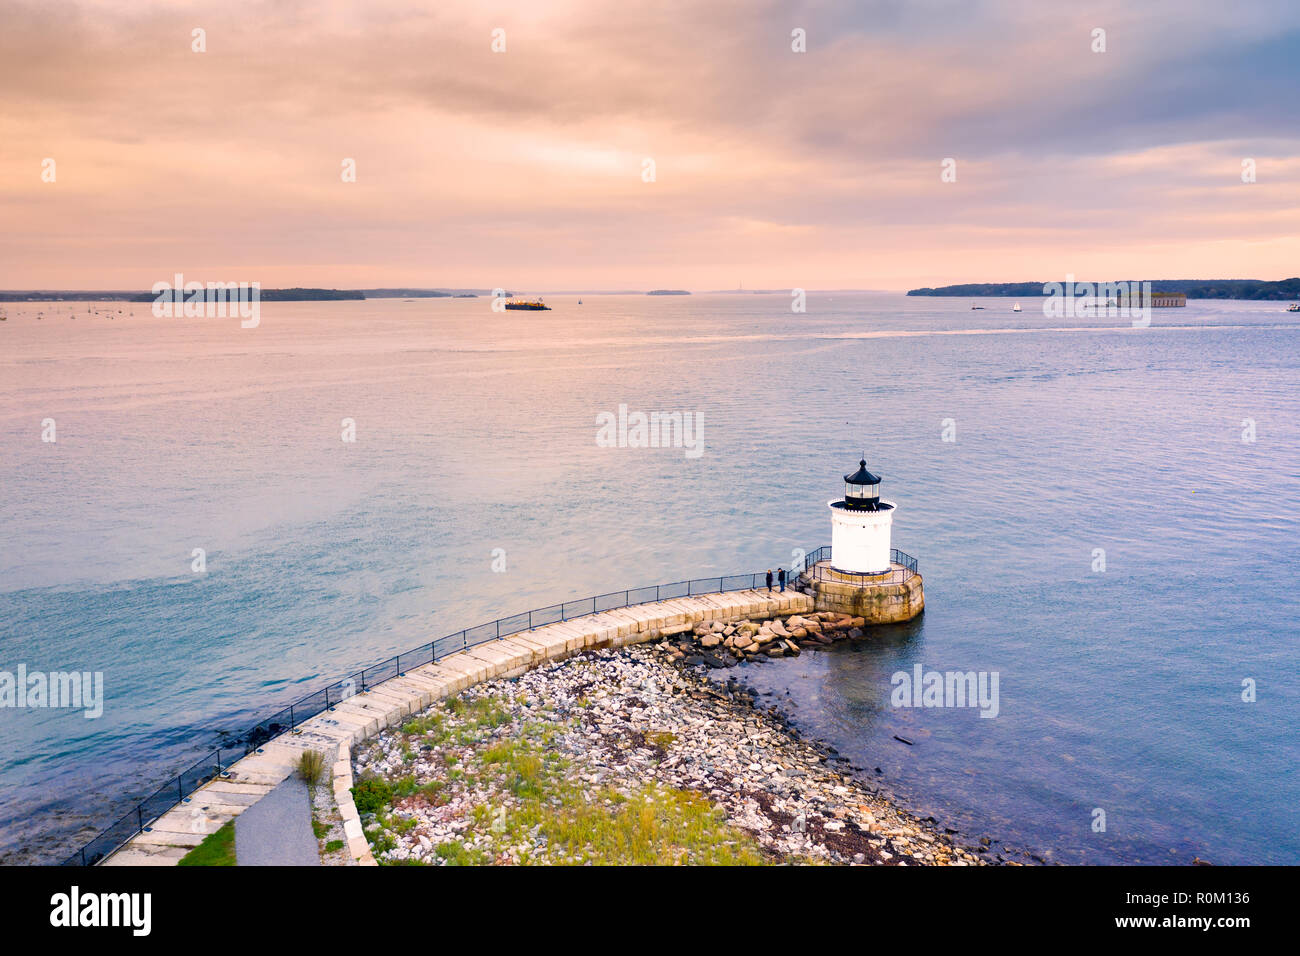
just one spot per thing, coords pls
(526, 168)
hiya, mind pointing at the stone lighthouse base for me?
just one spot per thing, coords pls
(886, 598)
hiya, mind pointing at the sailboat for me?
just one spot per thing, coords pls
(1294, 307)
(1016, 307)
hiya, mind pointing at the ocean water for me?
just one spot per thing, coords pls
(1119, 689)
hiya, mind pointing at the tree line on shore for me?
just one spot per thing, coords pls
(1269, 289)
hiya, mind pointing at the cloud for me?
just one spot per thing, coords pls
(820, 167)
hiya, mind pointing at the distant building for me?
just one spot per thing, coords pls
(1159, 300)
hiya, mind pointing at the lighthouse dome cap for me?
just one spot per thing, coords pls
(862, 476)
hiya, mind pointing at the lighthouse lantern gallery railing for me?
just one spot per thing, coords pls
(901, 567)
(216, 763)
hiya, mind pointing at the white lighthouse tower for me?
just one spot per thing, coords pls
(865, 577)
(860, 526)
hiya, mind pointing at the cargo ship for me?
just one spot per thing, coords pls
(528, 305)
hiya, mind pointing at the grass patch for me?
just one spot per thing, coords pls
(333, 846)
(431, 790)
(654, 826)
(456, 853)
(311, 766)
(380, 840)
(422, 725)
(318, 828)
(217, 849)
(536, 802)
(519, 767)
(372, 794)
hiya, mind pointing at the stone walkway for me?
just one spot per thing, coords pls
(335, 731)
(276, 831)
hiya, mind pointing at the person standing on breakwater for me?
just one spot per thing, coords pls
(780, 576)
(769, 580)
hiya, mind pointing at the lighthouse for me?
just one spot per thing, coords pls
(861, 523)
(861, 574)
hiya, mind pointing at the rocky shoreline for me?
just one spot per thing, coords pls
(546, 767)
(726, 643)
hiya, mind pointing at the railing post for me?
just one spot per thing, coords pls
(363, 680)
(625, 598)
(327, 697)
(292, 723)
(530, 617)
(399, 665)
(139, 817)
(498, 629)
(180, 790)
(433, 652)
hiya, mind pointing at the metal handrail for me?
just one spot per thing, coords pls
(179, 789)
(819, 568)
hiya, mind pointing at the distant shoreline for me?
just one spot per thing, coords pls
(265, 295)
(1278, 290)
(1246, 290)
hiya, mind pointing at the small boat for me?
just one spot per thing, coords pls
(973, 307)
(1016, 307)
(579, 302)
(526, 305)
(1294, 307)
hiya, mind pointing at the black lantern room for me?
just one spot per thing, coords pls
(862, 489)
